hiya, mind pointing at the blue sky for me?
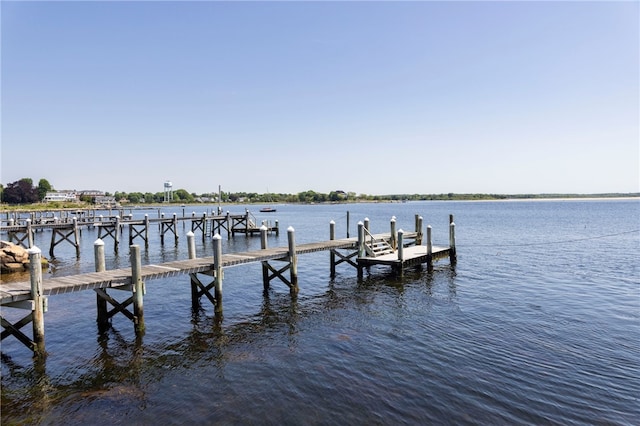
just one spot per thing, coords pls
(367, 97)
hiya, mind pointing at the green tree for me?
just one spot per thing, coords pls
(43, 187)
(183, 196)
(20, 192)
(135, 197)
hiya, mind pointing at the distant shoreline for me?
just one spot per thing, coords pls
(385, 199)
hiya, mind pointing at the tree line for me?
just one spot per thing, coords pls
(23, 191)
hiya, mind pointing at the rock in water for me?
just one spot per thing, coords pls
(14, 258)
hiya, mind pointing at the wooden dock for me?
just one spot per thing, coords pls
(68, 229)
(395, 249)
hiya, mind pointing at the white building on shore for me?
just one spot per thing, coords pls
(68, 196)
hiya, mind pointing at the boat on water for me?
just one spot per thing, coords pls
(267, 210)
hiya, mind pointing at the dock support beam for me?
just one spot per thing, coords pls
(101, 303)
(35, 270)
(199, 289)
(191, 249)
(452, 240)
(361, 252)
(400, 251)
(64, 234)
(269, 272)
(138, 289)
(265, 264)
(429, 249)
(293, 259)
(332, 256)
(218, 272)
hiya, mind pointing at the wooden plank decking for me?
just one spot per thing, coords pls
(18, 291)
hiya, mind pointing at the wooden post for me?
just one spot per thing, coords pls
(175, 227)
(217, 271)
(332, 255)
(98, 250)
(116, 233)
(429, 248)
(29, 233)
(101, 303)
(361, 229)
(419, 230)
(360, 246)
(452, 242)
(191, 245)
(401, 245)
(53, 242)
(146, 230)
(137, 288)
(293, 258)
(277, 225)
(76, 235)
(204, 225)
(347, 223)
(265, 268)
(394, 242)
(191, 249)
(35, 272)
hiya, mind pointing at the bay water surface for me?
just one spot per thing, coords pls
(538, 322)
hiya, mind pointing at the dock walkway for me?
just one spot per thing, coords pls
(19, 291)
(395, 249)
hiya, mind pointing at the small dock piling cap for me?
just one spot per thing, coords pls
(34, 250)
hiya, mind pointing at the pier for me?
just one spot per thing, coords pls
(66, 227)
(396, 249)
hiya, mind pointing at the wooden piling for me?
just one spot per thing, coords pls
(332, 255)
(175, 228)
(452, 242)
(116, 234)
(217, 270)
(137, 288)
(101, 303)
(191, 249)
(361, 250)
(265, 264)
(394, 241)
(191, 245)
(146, 230)
(347, 223)
(29, 233)
(293, 259)
(35, 272)
(429, 248)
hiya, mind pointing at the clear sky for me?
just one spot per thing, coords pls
(367, 97)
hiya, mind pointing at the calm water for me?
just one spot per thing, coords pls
(538, 323)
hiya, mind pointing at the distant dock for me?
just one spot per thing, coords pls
(66, 227)
(396, 249)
